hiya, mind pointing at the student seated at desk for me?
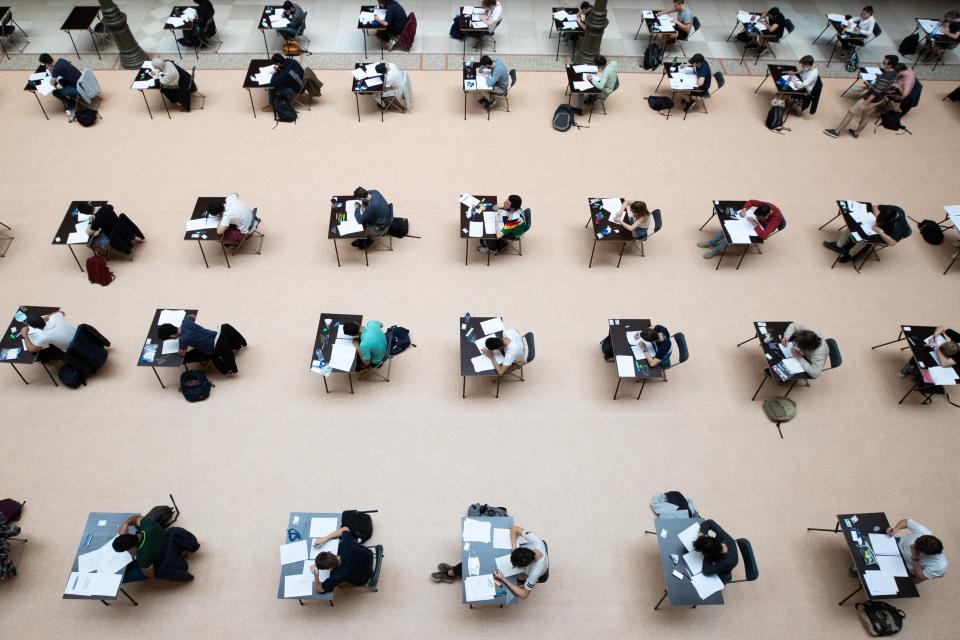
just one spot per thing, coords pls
(704, 79)
(949, 28)
(506, 353)
(204, 25)
(511, 224)
(286, 81)
(775, 23)
(353, 562)
(659, 337)
(891, 226)
(491, 16)
(65, 77)
(858, 29)
(948, 353)
(393, 86)
(902, 99)
(765, 217)
(199, 344)
(370, 342)
(871, 101)
(638, 221)
(499, 80)
(236, 219)
(296, 16)
(529, 553)
(720, 555)
(373, 213)
(158, 553)
(606, 80)
(107, 230)
(683, 23)
(48, 336)
(809, 348)
(922, 551)
(176, 85)
(395, 19)
(805, 78)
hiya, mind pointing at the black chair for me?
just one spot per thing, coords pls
(196, 92)
(242, 245)
(8, 239)
(835, 358)
(373, 583)
(505, 96)
(683, 354)
(601, 99)
(701, 100)
(378, 241)
(518, 240)
(751, 572)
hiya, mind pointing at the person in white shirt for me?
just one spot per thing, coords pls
(50, 330)
(506, 353)
(236, 219)
(492, 15)
(858, 29)
(393, 85)
(809, 348)
(806, 77)
(922, 552)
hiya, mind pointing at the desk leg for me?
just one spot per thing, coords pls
(41, 105)
(135, 603)
(765, 76)
(337, 252)
(464, 47)
(740, 344)
(859, 589)
(225, 256)
(643, 383)
(617, 390)
(821, 33)
(660, 601)
(462, 395)
(163, 99)
(93, 39)
(350, 380)
(950, 266)
(25, 380)
(488, 256)
(74, 44)
(149, 112)
(836, 529)
(75, 258)
(203, 253)
(498, 386)
(742, 256)
(792, 385)
(900, 337)
(357, 96)
(623, 245)
(820, 228)
(382, 109)
(559, 40)
(366, 251)
(722, 253)
(855, 81)
(363, 33)
(2, 46)
(464, 105)
(173, 32)
(326, 388)
(156, 373)
(713, 212)
(252, 108)
(300, 601)
(766, 375)
(381, 57)
(592, 251)
(105, 603)
(904, 396)
(52, 379)
(266, 47)
(466, 251)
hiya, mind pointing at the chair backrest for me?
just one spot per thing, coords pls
(719, 79)
(783, 224)
(696, 26)
(527, 221)
(877, 30)
(749, 560)
(513, 77)
(789, 26)
(835, 358)
(531, 349)
(87, 86)
(256, 221)
(377, 564)
(657, 220)
(681, 341)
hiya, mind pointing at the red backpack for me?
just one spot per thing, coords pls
(405, 41)
(98, 272)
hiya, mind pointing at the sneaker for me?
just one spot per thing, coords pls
(844, 259)
(444, 567)
(440, 576)
(833, 246)
(483, 249)
(390, 44)
(854, 133)
(705, 244)
(712, 253)
(490, 104)
(688, 105)
(71, 115)
(833, 133)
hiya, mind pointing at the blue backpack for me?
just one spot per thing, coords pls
(195, 386)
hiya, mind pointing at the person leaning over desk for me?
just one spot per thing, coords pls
(809, 348)
(506, 353)
(891, 226)
(638, 221)
(511, 222)
(702, 68)
(719, 551)
(158, 553)
(764, 216)
(352, 563)
(370, 342)
(373, 212)
(922, 551)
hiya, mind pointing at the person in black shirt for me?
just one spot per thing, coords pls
(202, 27)
(353, 563)
(719, 551)
(286, 82)
(775, 22)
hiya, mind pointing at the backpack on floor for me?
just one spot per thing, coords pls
(85, 117)
(606, 347)
(909, 45)
(931, 231)
(780, 409)
(776, 116)
(11, 509)
(563, 118)
(455, 29)
(477, 509)
(98, 272)
(400, 341)
(71, 377)
(853, 62)
(283, 111)
(659, 103)
(891, 120)
(880, 618)
(359, 523)
(399, 227)
(195, 386)
(652, 57)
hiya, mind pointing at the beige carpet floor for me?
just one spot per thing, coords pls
(569, 462)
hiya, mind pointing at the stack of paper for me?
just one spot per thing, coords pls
(477, 588)
(320, 527)
(744, 16)
(561, 15)
(45, 88)
(143, 84)
(467, 11)
(501, 539)
(103, 560)
(481, 363)
(493, 325)
(174, 21)
(206, 222)
(582, 85)
(469, 200)
(571, 24)
(366, 17)
(791, 366)
(942, 375)
(93, 584)
(836, 17)
(172, 316)
(263, 79)
(740, 230)
(478, 24)
(476, 530)
(664, 23)
(278, 22)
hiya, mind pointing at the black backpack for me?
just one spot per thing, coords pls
(853, 62)
(652, 57)
(909, 45)
(11, 509)
(882, 619)
(359, 523)
(931, 231)
(400, 341)
(477, 509)
(71, 377)
(891, 120)
(606, 346)
(283, 111)
(659, 103)
(162, 515)
(399, 228)
(85, 117)
(563, 118)
(195, 386)
(776, 116)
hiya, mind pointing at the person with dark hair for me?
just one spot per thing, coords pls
(158, 553)
(720, 555)
(370, 342)
(373, 212)
(809, 348)
(296, 17)
(922, 551)
(197, 343)
(64, 77)
(948, 28)
(605, 80)
(682, 24)
(637, 221)
(581, 17)
(511, 223)
(775, 23)
(903, 85)
(891, 226)
(804, 78)
(499, 80)
(286, 81)
(104, 223)
(46, 334)
(947, 353)
(506, 353)
(764, 216)
(529, 553)
(394, 20)
(393, 85)
(656, 346)
(704, 79)
(202, 27)
(875, 94)
(352, 563)
(857, 29)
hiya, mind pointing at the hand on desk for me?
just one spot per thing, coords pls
(498, 578)
(314, 570)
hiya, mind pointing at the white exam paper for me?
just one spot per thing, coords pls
(884, 545)
(706, 586)
(493, 325)
(320, 527)
(172, 316)
(501, 539)
(170, 346)
(476, 530)
(688, 535)
(478, 588)
(506, 567)
(626, 367)
(880, 583)
(293, 552)
(342, 355)
(481, 363)
(297, 585)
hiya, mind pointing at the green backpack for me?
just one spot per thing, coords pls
(780, 409)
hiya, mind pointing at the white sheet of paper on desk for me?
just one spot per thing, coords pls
(467, 11)
(348, 227)
(836, 17)
(147, 64)
(278, 23)
(585, 68)
(694, 561)
(892, 565)
(582, 85)
(370, 71)
(298, 585)
(93, 584)
(320, 527)
(342, 355)
(366, 17)
(359, 74)
(263, 79)
(476, 530)
(792, 365)
(648, 14)
(45, 88)
(468, 200)
(785, 351)
(884, 545)
(103, 560)
(706, 586)
(333, 546)
(172, 316)
(880, 583)
(506, 567)
(688, 535)
(682, 83)
(570, 25)
(170, 346)
(493, 325)
(477, 588)
(942, 375)
(626, 367)
(929, 26)
(267, 69)
(38, 76)
(612, 205)
(142, 84)
(489, 221)
(637, 352)
(293, 552)
(176, 22)
(77, 237)
(743, 16)
(476, 229)
(373, 82)
(477, 24)
(501, 539)
(201, 223)
(664, 23)
(481, 363)
(561, 15)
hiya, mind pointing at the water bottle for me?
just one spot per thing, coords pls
(466, 318)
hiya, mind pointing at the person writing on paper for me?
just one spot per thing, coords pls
(158, 552)
(874, 95)
(775, 22)
(48, 336)
(511, 224)
(949, 28)
(491, 16)
(702, 69)
(394, 20)
(236, 219)
(682, 24)
(374, 213)
(176, 85)
(196, 342)
(764, 216)
(922, 551)
(581, 17)
(606, 81)
(948, 353)
(393, 85)
(506, 353)
(296, 16)
(286, 81)
(64, 77)
(499, 80)
(659, 338)
(370, 342)
(804, 78)
(202, 27)
(809, 348)
(891, 226)
(352, 563)
(719, 550)
(858, 28)
(638, 221)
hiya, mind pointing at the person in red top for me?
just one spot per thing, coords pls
(764, 216)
